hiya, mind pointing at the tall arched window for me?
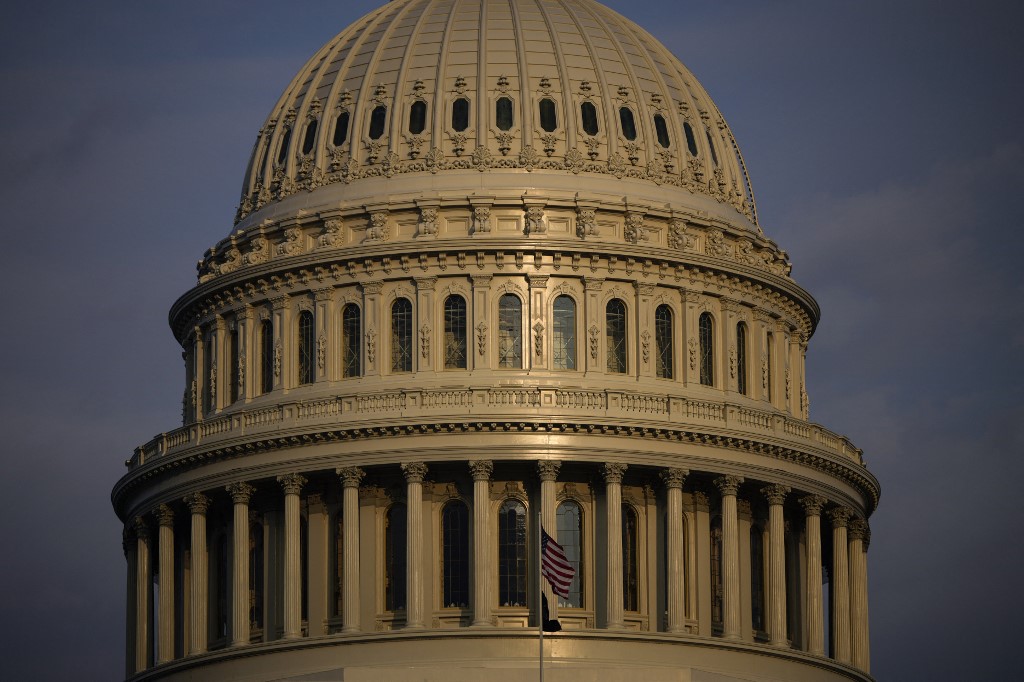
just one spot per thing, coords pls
(351, 341)
(563, 338)
(455, 554)
(615, 330)
(455, 332)
(394, 557)
(706, 330)
(510, 332)
(630, 560)
(663, 341)
(769, 367)
(717, 591)
(512, 573)
(757, 578)
(305, 347)
(233, 363)
(741, 358)
(209, 362)
(266, 356)
(256, 588)
(401, 335)
(569, 523)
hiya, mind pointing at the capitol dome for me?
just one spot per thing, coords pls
(496, 266)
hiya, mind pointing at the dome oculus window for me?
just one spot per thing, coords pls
(310, 138)
(691, 142)
(340, 129)
(503, 113)
(627, 123)
(711, 145)
(282, 150)
(417, 117)
(548, 118)
(377, 118)
(588, 112)
(662, 130)
(460, 114)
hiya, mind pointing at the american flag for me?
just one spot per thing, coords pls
(554, 566)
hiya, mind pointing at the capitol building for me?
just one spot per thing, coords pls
(496, 264)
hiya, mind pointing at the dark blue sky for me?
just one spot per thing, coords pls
(885, 147)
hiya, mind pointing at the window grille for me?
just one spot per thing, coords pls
(351, 341)
(663, 341)
(512, 572)
(510, 332)
(306, 350)
(455, 333)
(563, 338)
(615, 325)
(401, 335)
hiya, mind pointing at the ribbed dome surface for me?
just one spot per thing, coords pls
(504, 87)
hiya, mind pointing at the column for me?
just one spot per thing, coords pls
(776, 495)
(840, 584)
(292, 485)
(547, 470)
(729, 486)
(143, 581)
(815, 616)
(676, 579)
(613, 472)
(198, 504)
(858, 594)
(165, 611)
(128, 543)
(414, 473)
(240, 493)
(350, 479)
(481, 470)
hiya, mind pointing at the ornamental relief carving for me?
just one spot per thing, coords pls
(371, 345)
(481, 338)
(425, 341)
(595, 337)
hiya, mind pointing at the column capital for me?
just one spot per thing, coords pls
(198, 503)
(350, 477)
(858, 529)
(414, 471)
(141, 528)
(839, 516)
(614, 471)
(728, 485)
(279, 302)
(674, 478)
(292, 483)
(165, 515)
(775, 493)
(813, 504)
(240, 491)
(548, 469)
(481, 469)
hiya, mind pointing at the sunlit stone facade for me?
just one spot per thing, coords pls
(495, 262)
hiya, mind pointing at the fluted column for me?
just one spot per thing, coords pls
(613, 472)
(675, 580)
(143, 582)
(815, 616)
(729, 486)
(481, 470)
(776, 496)
(165, 610)
(840, 584)
(240, 493)
(414, 473)
(292, 485)
(350, 479)
(547, 470)
(858, 594)
(198, 504)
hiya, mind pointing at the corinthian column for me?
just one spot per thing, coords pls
(675, 581)
(813, 505)
(414, 473)
(481, 470)
(729, 486)
(240, 493)
(547, 470)
(292, 485)
(350, 479)
(840, 584)
(165, 647)
(858, 529)
(776, 495)
(143, 582)
(613, 472)
(198, 504)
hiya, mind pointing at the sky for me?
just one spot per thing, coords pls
(884, 141)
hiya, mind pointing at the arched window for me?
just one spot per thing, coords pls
(706, 330)
(310, 138)
(615, 326)
(455, 555)
(503, 113)
(769, 366)
(266, 356)
(691, 142)
(711, 146)
(661, 129)
(256, 591)
(741, 358)
(548, 118)
(417, 117)
(378, 117)
(663, 341)
(588, 112)
(306, 347)
(394, 557)
(460, 114)
(282, 149)
(510, 332)
(569, 522)
(339, 565)
(401, 335)
(717, 591)
(233, 363)
(455, 332)
(512, 574)
(563, 338)
(630, 560)
(351, 341)
(757, 578)
(209, 362)
(627, 123)
(340, 129)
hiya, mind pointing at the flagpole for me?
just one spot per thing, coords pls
(540, 594)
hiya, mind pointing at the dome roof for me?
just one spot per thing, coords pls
(425, 93)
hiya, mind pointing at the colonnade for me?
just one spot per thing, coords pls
(847, 566)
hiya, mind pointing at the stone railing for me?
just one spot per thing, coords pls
(548, 404)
